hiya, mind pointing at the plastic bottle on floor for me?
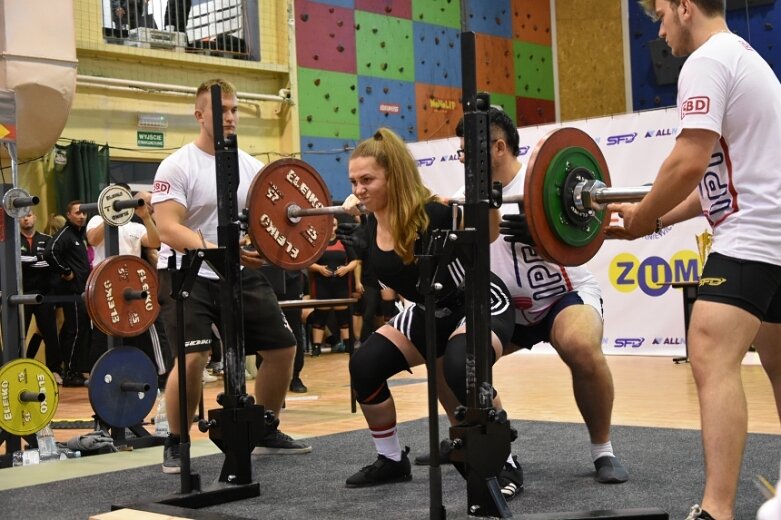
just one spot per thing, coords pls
(47, 446)
(161, 417)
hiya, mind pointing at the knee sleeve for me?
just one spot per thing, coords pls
(343, 318)
(388, 308)
(370, 367)
(455, 366)
(318, 318)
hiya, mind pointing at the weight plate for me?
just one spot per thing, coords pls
(285, 242)
(106, 199)
(21, 417)
(556, 238)
(106, 289)
(117, 406)
(8, 198)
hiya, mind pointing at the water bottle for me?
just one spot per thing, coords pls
(26, 457)
(47, 446)
(161, 418)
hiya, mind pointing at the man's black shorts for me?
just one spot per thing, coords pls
(265, 327)
(752, 286)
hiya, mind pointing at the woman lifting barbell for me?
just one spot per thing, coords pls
(402, 213)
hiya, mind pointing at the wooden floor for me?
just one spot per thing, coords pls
(650, 391)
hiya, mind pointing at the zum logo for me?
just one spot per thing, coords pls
(713, 282)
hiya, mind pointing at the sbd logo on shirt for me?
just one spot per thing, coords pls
(695, 105)
(161, 187)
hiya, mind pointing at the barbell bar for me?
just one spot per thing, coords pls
(566, 189)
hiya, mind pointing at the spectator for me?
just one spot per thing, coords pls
(38, 278)
(67, 255)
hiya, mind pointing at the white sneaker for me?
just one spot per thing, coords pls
(207, 377)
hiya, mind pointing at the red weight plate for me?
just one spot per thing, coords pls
(548, 243)
(111, 312)
(281, 240)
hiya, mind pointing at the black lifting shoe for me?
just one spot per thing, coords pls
(383, 471)
(511, 479)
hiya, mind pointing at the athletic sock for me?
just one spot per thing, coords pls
(386, 441)
(601, 450)
(510, 460)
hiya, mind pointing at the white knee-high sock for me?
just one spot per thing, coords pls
(386, 440)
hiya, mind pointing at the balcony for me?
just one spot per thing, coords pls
(222, 28)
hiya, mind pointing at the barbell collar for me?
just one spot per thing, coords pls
(27, 396)
(26, 299)
(131, 386)
(595, 194)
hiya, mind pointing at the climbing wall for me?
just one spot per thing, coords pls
(757, 24)
(363, 64)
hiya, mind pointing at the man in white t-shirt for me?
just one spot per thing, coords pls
(725, 165)
(553, 303)
(185, 202)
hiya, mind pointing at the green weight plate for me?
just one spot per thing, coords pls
(561, 165)
(546, 172)
(31, 378)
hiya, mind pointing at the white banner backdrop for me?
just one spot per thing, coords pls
(643, 314)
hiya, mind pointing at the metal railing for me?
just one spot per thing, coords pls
(211, 27)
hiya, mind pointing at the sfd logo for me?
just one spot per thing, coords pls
(629, 342)
(622, 138)
(654, 274)
(695, 105)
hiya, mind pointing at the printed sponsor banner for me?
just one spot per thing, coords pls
(643, 312)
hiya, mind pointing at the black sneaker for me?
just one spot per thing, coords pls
(610, 470)
(383, 471)
(297, 386)
(172, 464)
(698, 513)
(511, 479)
(277, 442)
(73, 379)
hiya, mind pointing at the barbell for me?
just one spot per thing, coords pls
(567, 187)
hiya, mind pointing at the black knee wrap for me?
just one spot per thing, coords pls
(317, 318)
(343, 318)
(455, 366)
(388, 308)
(370, 367)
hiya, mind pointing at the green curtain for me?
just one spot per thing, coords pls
(81, 172)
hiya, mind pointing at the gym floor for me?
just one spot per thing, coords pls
(650, 391)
